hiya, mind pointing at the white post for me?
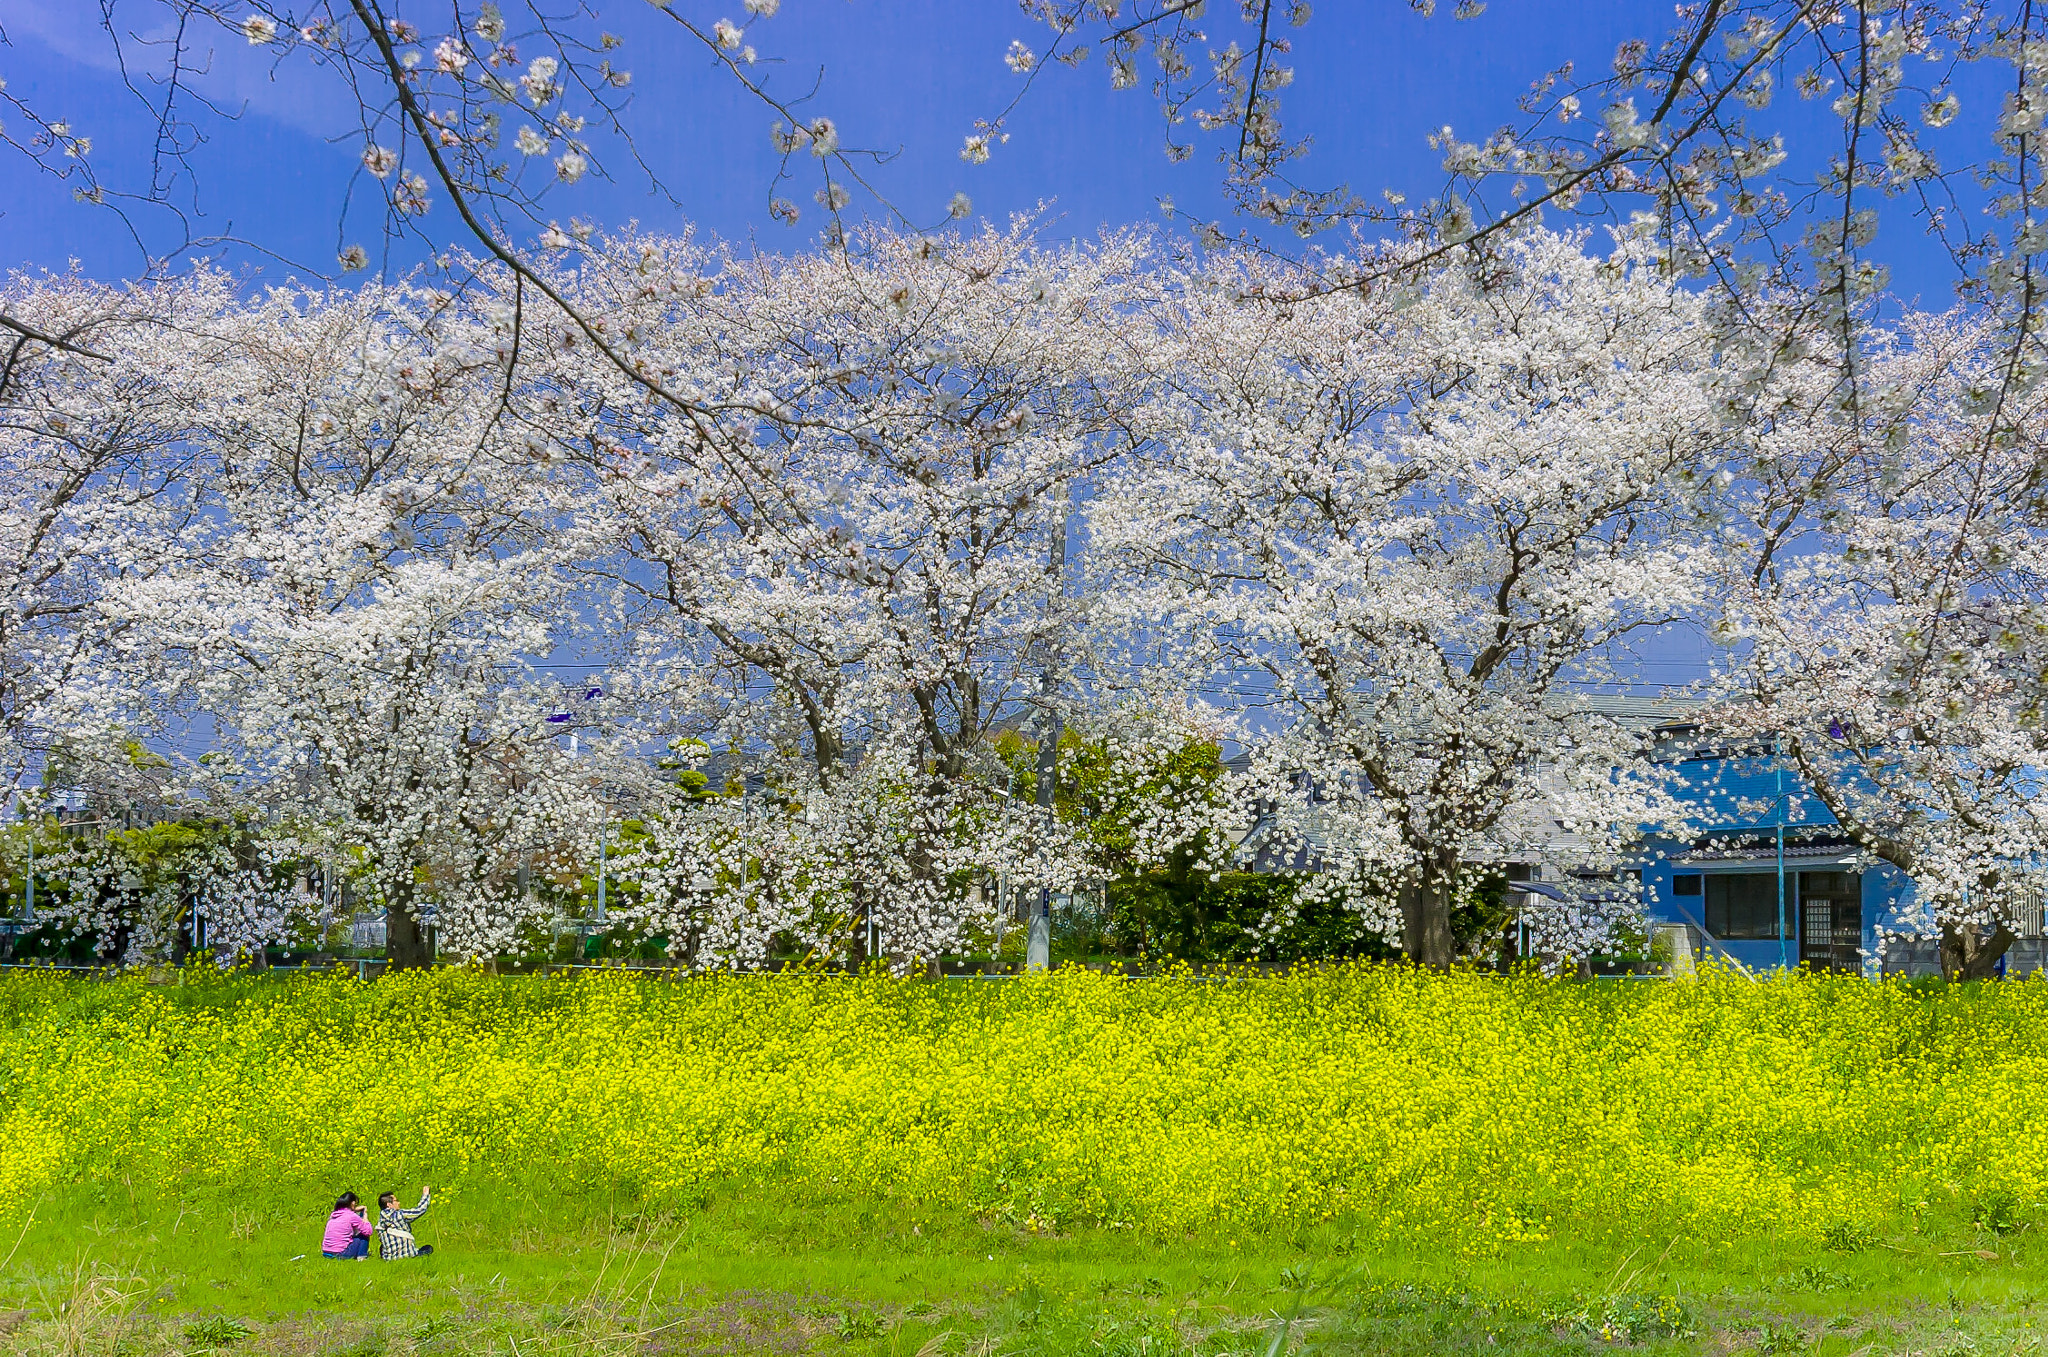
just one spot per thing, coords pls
(1004, 901)
(1002, 910)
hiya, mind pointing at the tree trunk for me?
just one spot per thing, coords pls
(857, 945)
(1966, 954)
(405, 942)
(182, 925)
(1426, 923)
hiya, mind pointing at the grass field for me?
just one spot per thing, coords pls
(1363, 1160)
(558, 1276)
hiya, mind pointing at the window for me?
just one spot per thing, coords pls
(1743, 904)
(1841, 885)
(1686, 885)
(2032, 916)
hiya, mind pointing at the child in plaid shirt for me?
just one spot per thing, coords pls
(394, 1226)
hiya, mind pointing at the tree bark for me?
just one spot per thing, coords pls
(1426, 924)
(181, 929)
(857, 945)
(1967, 955)
(405, 942)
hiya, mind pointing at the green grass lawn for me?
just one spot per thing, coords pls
(100, 1269)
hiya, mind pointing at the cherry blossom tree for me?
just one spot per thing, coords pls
(1412, 522)
(336, 540)
(1886, 626)
(852, 554)
(1787, 153)
(92, 478)
(383, 491)
(352, 623)
(153, 893)
(884, 864)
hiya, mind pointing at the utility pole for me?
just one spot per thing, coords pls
(1778, 761)
(1038, 943)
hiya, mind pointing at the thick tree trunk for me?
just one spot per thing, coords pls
(1966, 954)
(1426, 924)
(405, 942)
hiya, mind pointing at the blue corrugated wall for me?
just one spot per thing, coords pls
(1751, 796)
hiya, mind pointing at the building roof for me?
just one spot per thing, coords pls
(1794, 852)
(1640, 709)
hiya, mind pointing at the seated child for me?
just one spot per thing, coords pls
(347, 1234)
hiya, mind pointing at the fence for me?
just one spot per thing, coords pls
(364, 967)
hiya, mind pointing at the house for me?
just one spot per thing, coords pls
(1762, 875)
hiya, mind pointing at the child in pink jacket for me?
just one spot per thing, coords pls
(348, 1234)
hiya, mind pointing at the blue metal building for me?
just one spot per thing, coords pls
(1763, 875)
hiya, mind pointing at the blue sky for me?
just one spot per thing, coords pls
(903, 76)
(907, 76)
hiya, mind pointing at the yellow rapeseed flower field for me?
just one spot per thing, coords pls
(1463, 1107)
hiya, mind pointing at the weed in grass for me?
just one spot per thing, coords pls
(1847, 1236)
(1813, 1277)
(1628, 1318)
(91, 1313)
(433, 1332)
(373, 1343)
(1782, 1340)
(218, 1331)
(1997, 1210)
